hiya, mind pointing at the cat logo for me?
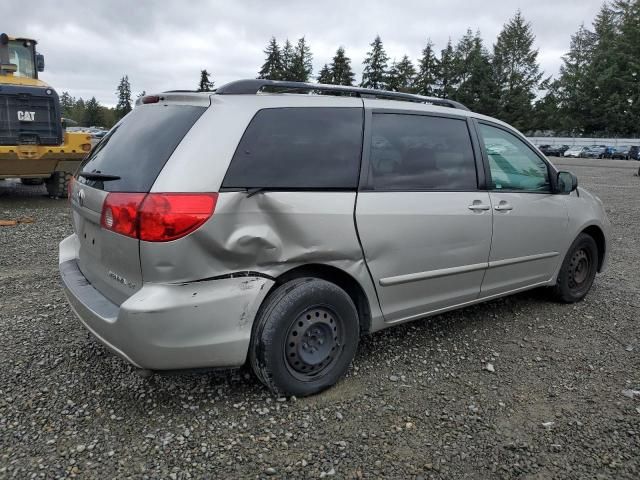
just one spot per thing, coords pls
(26, 116)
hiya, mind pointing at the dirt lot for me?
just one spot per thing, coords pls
(418, 402)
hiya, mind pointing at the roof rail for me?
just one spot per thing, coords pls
(253, 86)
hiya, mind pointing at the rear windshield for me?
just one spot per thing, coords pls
(138, 147)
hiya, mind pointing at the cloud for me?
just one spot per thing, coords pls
(163, 45)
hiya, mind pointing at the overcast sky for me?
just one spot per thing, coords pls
(163, 45)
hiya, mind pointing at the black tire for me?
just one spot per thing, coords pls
(57, 184)
(578, 270)
(305, 337)
(32, 181)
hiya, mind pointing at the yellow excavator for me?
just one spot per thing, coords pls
(34, 145)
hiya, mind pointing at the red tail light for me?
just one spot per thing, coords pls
(168, 216)
(157, 217)
(120, 213)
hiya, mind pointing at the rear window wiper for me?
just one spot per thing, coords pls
(105, 177)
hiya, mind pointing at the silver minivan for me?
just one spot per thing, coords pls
(276, 222)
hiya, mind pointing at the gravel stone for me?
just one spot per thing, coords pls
(61, 390)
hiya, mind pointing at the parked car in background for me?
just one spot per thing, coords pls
(634, 152)
(280, 253)
(608, 152)
(621, 152)
(576, 152)
(595, 151)
(553, 150)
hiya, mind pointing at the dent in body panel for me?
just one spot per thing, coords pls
(269, 233)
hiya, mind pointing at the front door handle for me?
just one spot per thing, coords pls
(477, 205)
(503, 206)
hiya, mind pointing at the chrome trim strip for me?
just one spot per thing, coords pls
(444, 272)
(528, 258)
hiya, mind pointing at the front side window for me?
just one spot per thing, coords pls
(21, 55)
(419, 152)
(513, 165)
(299, 148)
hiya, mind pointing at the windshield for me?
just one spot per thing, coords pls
(21, 54)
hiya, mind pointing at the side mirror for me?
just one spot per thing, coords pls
(40, 62)
(566, 182)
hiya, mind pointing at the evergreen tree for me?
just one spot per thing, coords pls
(287, 61)
(67, 102)
(124, 97)
(516, 72)
(341, 72)
(93, 113)
(401, 75)
(447, 81)
(628, 49)
(302, 62)
(78, 111)
(272, 68)
(473, 73)
(205, 84)
(374, 74)
(325, 76)
(573, 89)
(428, 72)
(547, 117)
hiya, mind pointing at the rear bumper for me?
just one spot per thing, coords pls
(168, 326)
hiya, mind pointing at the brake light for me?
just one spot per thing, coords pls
(150, 99)
(120, 213)
(157, 217)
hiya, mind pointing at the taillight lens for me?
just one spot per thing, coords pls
(168, 216)
(120, 213)
(157, 217)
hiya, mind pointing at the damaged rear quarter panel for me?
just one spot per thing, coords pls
(270, 233)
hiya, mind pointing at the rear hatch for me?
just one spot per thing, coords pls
(126, 161)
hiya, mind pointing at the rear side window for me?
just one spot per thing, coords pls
(416, 152)
(138, 147)
(299, 148)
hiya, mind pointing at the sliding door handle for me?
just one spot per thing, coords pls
(477, 206)
(503, 207)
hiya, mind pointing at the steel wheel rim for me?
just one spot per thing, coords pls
(313, 342)
(580, 269)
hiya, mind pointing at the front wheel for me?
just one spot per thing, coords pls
(305, 337)
(578, 270)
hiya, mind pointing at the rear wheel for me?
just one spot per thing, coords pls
(578, 270)
(305, 338)
(32, 181)
(57, 184)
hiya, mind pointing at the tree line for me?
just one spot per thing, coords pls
(596, 93)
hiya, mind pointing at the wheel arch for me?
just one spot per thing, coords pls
(597, 234)
(337, 276)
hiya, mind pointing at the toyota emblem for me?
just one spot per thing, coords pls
(80, 196)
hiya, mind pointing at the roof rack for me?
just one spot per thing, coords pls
(254, 86)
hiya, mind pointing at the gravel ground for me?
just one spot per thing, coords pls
(418, 402)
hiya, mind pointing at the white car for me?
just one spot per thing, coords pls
(576, 152)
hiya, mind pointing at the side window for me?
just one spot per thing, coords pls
(299, 148)
(418, 152)
(513, 165)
